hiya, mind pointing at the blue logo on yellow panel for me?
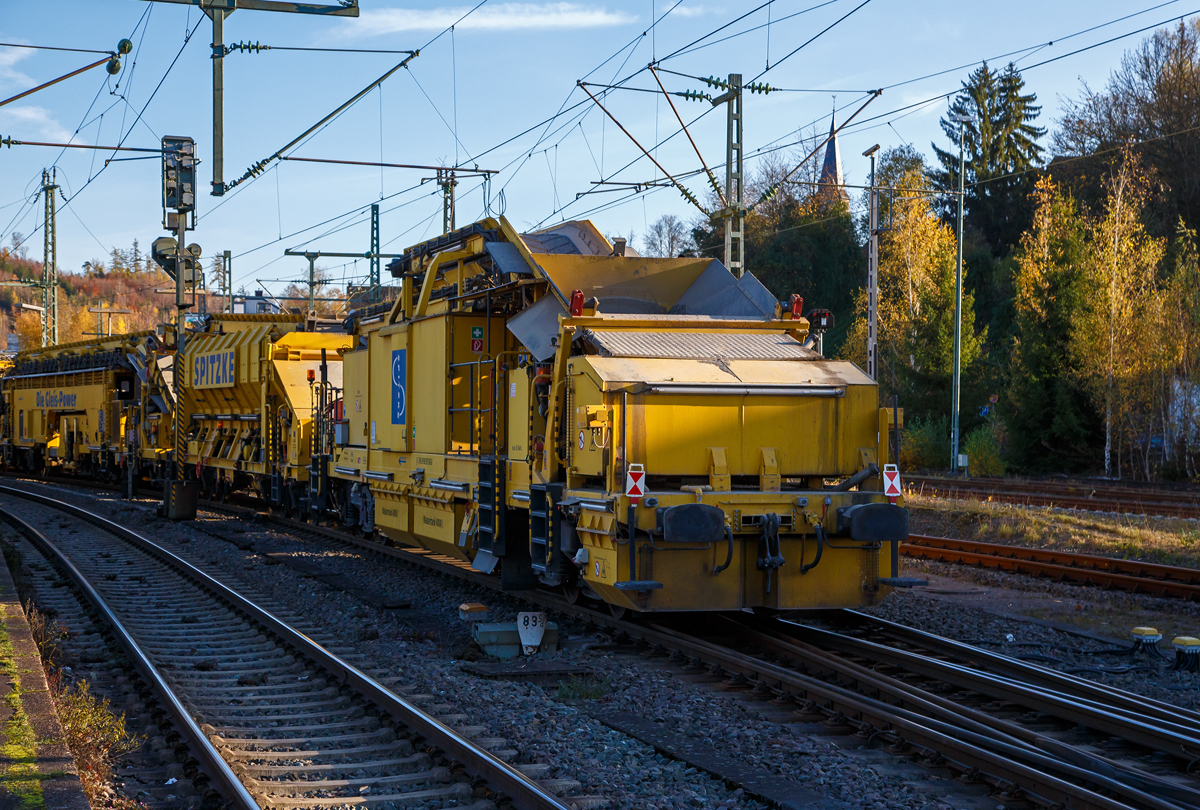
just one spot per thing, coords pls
(399, 394)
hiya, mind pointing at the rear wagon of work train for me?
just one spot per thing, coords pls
(654, 433)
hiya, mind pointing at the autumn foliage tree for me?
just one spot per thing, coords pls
(1104, 363)
(917, 260)
(1150, 101)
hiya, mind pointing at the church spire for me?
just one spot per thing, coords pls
(832, 180)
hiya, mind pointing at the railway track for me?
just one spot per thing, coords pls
(271, 717)
(1065, 768)
(1068, 495)
(1032, 734)
(1026, 733)
(1061, 566)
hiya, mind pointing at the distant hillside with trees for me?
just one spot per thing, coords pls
(126, 279)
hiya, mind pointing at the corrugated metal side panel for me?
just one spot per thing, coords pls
(698, 345)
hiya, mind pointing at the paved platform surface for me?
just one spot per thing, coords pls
(36, 767)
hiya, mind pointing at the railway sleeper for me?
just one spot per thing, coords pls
(420, 760)
(396, 748)
(250, 745)
(312, 687)
(457, 790)
(433, 775)
(236, 732)
(252, 713)
(330, 695)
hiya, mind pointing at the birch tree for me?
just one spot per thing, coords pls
(1119, 277)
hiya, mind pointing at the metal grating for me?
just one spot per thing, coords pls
(698, 345)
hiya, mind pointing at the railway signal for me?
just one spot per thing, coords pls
(179, 193)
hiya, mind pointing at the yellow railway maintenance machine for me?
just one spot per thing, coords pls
(257, 389)
(75, 406)
(496, 411)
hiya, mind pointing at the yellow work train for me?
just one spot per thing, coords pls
(654, 433)
(71, 405)
(657, 434)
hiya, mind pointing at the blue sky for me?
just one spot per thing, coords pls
(505, 68)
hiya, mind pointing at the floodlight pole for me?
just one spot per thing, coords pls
(958, 274)
(227, 280)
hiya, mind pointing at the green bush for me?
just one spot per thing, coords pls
(925, 444)
(984, 449)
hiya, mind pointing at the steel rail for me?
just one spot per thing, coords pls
(1096, 489)
(1090, 499)
(1031, 672)
(953, 743)
(971, 753)
(1038, 562)
(217, 769)
(501, 777)
(1170, 737)
(948, 741)
(1073, 761)
(1088, 562)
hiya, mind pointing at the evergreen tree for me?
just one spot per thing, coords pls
(1051, 424)
(1001, 146)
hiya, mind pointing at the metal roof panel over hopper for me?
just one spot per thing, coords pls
(697, 345)
(616, 373)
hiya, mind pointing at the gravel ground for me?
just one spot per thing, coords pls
(427, 644)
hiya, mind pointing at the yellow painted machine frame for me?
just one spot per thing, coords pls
(73, 405)
(456, 438)
(248, 402)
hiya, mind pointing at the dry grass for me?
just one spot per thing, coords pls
(48, 634)
(96, 736)
(1170, 541)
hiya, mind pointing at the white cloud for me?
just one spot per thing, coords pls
(32, 123)
(498, 17)
(8, 74)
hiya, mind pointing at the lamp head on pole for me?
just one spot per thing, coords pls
(871, 152)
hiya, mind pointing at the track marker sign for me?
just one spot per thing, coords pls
(635, 482)
(891, 481)
(531, 627)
